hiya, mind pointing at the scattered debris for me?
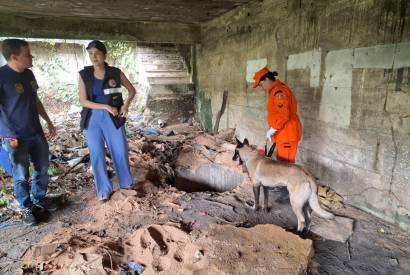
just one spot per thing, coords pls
(329, 199)
(147, 131)
(136, 267)
(161, 123)
(84, 264)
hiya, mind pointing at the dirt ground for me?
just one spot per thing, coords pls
(374, 248)
(171, 231)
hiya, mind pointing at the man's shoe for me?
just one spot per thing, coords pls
(41, 214)
(47, 205)
(104, 199)
(28, 217)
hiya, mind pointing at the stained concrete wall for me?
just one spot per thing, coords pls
(348, 63)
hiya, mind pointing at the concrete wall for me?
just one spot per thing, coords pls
(348, 63)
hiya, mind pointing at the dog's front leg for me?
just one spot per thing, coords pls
(266, 198)
(256, 192)
(307, 210)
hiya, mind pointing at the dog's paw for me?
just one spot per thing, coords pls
(267, 208)
(301, 226)
(256, 208)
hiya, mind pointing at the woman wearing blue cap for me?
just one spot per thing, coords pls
(103, 117)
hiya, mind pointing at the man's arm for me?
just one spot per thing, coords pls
(42, 112)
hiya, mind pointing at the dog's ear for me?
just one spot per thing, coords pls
(245, 142)
(235, 156)
(238, 142)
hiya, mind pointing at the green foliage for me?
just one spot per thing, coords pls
(120, 54)
(4, 201)
(137, 106)
(68, 93)
(2, 179)
(53, 69)
(3, 198)
(53, 170)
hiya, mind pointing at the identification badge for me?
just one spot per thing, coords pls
(19, 88)
(34, 85)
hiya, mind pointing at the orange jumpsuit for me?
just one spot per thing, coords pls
(282, 116)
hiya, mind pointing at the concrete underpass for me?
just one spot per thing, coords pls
(190, 210)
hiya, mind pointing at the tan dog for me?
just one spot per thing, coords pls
(266, 172)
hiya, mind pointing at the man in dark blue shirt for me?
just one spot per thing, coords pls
(20, 128)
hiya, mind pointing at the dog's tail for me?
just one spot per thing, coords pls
(314, 202)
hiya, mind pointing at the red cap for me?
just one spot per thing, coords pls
(258, 75)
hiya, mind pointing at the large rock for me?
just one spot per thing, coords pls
(338, 229)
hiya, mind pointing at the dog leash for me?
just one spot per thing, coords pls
(271, 149)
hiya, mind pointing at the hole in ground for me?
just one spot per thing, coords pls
(210, 177)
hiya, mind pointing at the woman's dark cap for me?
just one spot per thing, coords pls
(98, 45)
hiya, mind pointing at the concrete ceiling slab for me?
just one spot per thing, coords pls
(178, 11)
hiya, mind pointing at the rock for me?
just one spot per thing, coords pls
(40, 252)
(393, 262)
(198, 255)
(74, 161)
(74, 109)
(129, 192)
(338, 229)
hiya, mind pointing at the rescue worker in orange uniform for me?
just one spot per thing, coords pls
(285, 128)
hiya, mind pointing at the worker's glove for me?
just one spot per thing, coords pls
(270, 133)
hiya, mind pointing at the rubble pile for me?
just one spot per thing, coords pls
(152, 158)
(172, 221)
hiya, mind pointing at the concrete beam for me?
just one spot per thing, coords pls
(34, 26)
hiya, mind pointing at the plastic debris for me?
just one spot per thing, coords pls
(136, 267)
(149, 131)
